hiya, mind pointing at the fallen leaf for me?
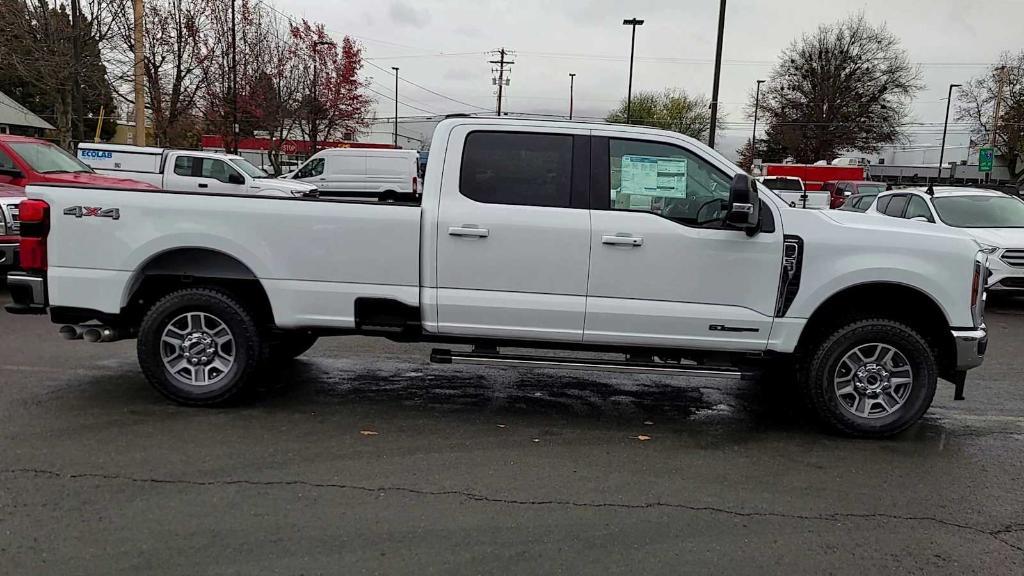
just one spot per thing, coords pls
(648, 423)
(641, 437)
(501, 426)
(368, 433)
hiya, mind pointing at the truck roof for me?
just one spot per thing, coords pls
(13, 138)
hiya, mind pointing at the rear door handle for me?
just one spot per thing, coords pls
(623, 240)
(202, 185)
(469, 231)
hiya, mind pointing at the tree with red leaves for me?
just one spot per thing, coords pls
(333, 105)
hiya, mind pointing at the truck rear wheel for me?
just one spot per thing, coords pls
(200, 347)
(871, 378)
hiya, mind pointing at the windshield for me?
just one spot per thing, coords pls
(47, 158)
(870, 188)
(245, 166)
(782, 184)
(980, 211)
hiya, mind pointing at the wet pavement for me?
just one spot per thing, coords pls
(369, 460)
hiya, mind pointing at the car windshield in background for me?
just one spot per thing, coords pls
(782, 184)
(48, 158)
(875, 189)
(980, 211)
(247, 167)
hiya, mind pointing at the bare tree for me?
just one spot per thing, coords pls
(976, 105)
(845, 86)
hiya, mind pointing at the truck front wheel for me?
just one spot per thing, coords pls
(871, 378)
(200, 347)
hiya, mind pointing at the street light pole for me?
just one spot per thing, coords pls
(395, 68)
(718, 75)
(632, 46)
(757, 105)
(945, 124)
(313, 108)
(572, 83)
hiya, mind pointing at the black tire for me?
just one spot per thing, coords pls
(388, 196)
(291, 345)
(820, 385)
(249, 347)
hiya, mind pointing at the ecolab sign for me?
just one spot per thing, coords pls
(96, 154)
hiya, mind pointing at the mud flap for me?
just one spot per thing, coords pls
(958, 378)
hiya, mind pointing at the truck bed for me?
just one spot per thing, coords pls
(313, 257)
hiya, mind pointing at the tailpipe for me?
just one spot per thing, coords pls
(71, 332)
(105, 334)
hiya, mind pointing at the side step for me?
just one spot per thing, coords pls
(443, 356)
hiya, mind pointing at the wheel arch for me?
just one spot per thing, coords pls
(175, 268)
(892, 300)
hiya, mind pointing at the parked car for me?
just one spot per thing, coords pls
(189, 170)
(994, 219)
(858, 203)
(10, 197)
(791, 189)
(530, 234)
(25, 161)
(840, 190)
(376, 172)
(851, 161)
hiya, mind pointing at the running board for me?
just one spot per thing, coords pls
(442, 356)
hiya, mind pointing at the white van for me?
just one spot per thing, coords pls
(378, 172)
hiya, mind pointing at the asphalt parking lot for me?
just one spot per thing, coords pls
(370, 460)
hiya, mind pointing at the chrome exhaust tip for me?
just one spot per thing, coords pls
(71, 332)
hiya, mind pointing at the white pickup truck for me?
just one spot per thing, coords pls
(541, 235)
(188, 170)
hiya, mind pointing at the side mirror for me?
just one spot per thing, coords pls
(744, 209)
(12, 172)
(235, 178)
(920, 219)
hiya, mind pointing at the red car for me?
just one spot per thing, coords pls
(10, 197)
(25, 161)
(840, 190)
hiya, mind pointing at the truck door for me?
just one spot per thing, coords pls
(513, 233)
(664, 269)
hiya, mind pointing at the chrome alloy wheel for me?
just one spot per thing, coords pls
(873, 380)
(197, 349)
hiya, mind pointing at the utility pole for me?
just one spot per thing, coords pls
(234, 83)
(395, 68)
(572, 84)
(999, 104)
(718, 75)
(78, 116)
(502, 69)
(634, 22)
(757, 105)
(945, 125)
(140, 93)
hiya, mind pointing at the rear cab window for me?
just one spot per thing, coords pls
(518, 168)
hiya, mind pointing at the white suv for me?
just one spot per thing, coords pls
(994, 219)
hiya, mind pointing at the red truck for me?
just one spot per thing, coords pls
(25, 161)
(815, 175)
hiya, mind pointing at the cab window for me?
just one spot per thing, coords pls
(218, 170)
(314, 167)
(666, 180)
(183, 165)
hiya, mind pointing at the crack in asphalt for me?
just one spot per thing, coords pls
(476, 497)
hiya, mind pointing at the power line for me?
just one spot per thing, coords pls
(425, 89)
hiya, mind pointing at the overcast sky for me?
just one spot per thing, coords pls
(442, 45)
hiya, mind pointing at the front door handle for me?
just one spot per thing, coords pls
(203, 185)
(469, 231)
(623, 240)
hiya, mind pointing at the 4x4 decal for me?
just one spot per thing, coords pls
(85, 211)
